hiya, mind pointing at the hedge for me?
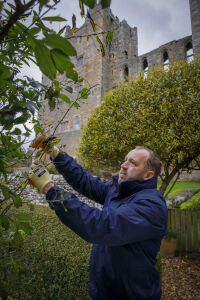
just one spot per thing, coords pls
(193, 203)
(53, 262)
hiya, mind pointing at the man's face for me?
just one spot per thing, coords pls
(133, 166)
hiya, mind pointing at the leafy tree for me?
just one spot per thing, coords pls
(25, 37)
(161, 111)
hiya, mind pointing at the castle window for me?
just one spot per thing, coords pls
(80, 39)
(126, 54)
(79, 61)
(189, 52)
(145, 65)
(126, 71)
(165, 60)
(77, 123)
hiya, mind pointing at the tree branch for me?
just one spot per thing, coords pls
(20, 10)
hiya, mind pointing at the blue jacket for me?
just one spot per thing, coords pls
(126, 233)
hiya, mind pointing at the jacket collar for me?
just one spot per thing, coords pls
(130, 187)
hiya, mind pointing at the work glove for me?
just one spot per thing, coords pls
(40, 178)
(46, 145)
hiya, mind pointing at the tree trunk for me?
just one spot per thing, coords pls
(167, 180)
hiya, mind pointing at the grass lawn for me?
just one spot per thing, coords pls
(180, 186)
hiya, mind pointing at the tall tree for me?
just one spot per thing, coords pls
(161, 111)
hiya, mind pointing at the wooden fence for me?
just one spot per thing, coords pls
(187, 226)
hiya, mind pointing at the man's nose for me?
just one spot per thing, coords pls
(124, 165)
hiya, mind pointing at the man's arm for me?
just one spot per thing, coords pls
(82, 181)
(131, 222)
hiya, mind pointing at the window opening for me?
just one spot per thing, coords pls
(189, 52)
(77, 123)
(79, 61)
(126, 54)
(165, 60)
(126, 71)
(145, 65)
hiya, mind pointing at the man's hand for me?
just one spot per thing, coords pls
(46, 145)
(40, 178)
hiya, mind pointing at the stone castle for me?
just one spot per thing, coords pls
(101, 74)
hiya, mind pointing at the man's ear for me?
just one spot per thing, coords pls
(149, 175)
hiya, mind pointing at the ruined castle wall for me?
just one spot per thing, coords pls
(176, 50)
(195, 22)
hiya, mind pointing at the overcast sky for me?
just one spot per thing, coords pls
(158, 21)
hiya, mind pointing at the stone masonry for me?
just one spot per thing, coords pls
(121, 60)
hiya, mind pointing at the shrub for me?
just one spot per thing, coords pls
(193, 203)
(170, 234)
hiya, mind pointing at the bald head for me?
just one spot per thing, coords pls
(138, 165)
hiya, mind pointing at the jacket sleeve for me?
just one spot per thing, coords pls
(82, 181)
(131, 222)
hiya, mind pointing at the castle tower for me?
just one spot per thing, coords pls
(100, 73)
(195, 22)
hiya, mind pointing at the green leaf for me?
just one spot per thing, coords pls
(4, 221)
(24, 226)
(68, 88)
(82, 8)
(58, 42)
(52, 103)
(44, 61)
(4, 72)
(76, 104)
(23, 217)
(55, 18)
(38, 129)
(60, 60)
(109, 37)
(89, 3)
(5, 192)
(43, 2)
(72, 74)
(16, 199)
(105, 3)
(34, 30)
(91, 20)
(62, 30)
(1, 5)
(16, 131)
(101, 46)
(64, 98)
(84, 93)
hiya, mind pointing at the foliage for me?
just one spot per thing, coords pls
(159, 111)
(170, 234)
(25, 37)
(193, 203)
(54, 262)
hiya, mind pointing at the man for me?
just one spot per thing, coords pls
(126, 233)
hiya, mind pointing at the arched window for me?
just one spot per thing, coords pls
(189, 52)
(126, 54)
(77, 123)
(145, 65)
(165, 60)
(126, 71)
